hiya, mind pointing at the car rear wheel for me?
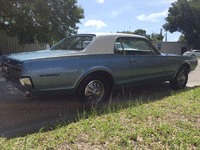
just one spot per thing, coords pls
(180, 81)
(93, 90)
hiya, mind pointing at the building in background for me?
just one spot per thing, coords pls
(9, 45)
(177, 48)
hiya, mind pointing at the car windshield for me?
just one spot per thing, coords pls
(73, 43)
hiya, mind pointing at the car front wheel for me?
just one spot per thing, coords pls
(180, 81)
(93, 90)
(193, 55)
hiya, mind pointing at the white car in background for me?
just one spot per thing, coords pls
(192, 53)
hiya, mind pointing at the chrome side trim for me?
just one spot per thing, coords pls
(48, 75)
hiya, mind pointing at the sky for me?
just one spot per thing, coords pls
(125, 15)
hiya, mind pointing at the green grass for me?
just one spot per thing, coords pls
(169, 123)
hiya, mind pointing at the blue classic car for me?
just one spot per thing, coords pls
(90, 65)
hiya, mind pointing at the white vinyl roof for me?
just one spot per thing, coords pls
(104, 43)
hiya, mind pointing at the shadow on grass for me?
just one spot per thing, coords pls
(120, 99)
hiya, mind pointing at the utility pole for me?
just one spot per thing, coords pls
(161, 39)
(166, 37)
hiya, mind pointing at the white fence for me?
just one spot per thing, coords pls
(10, 45)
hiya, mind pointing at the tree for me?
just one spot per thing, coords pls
(42, 20)
(126, 32)
(184, 17)
(151, 37)
(181, 38)
(157, 37)
(195, 45)
(140, 32)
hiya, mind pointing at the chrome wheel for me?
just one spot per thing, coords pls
(181, 79)
(94, 91)
(193, 55)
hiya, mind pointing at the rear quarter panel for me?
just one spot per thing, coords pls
(66, 72)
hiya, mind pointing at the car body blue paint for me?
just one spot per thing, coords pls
(61, 71)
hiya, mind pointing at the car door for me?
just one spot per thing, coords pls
(143, 62)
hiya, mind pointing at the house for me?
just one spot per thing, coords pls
(177, 48)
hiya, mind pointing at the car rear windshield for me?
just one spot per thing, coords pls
(73, 43)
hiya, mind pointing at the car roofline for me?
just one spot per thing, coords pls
(112, 34)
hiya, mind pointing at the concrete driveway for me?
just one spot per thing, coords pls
(19, 114)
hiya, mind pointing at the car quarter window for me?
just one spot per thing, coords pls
(133, 46)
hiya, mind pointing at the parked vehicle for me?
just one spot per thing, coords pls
(90, 65)
(192, 53)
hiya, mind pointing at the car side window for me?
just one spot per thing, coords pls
(118, 47)
(133, 46)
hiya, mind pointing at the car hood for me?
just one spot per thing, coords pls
(39, 54)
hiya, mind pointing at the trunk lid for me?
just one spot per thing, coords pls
(36, 55)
